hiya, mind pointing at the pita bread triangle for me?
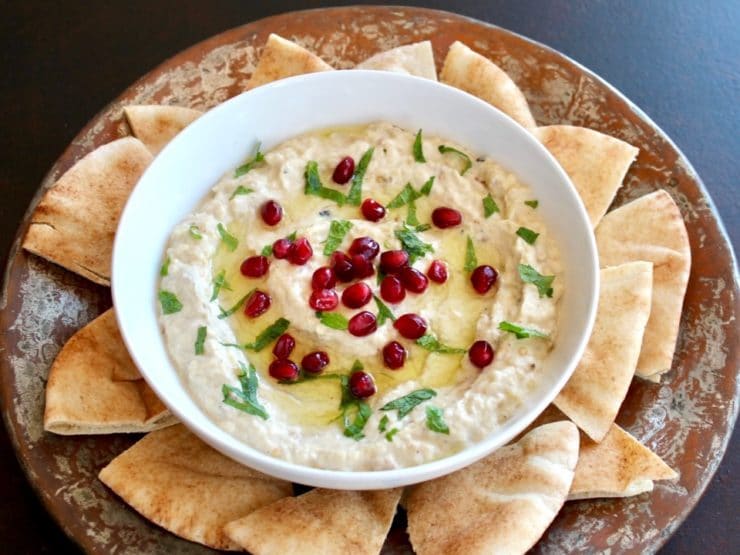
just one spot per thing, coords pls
(501, 504)
(178, 482)
(82, 396)
(322, 521)
(282, 58)
(412, 59)
(619, 466)
(155, 126)
(651, 228)
(75, 222)
(595, 391)
(467, 70)
(596, 163)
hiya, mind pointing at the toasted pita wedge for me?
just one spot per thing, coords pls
(596, 163)
(413, 59)
(651, 228)
(501, 504)
(82, 396)
(175, 480)
(282, 58)
(594, 393)
(619, 466)
(322, 521)
(155, 126)
(479, 76)
(75, 222)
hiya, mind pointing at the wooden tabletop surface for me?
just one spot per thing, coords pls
(60, 63)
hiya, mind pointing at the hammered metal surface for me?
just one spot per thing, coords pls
(687, 419)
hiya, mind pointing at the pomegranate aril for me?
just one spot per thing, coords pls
(437, 271)
(300, 252)
(366, 246)
(372, 210)
(361, 267)
(361, 384)
(357, 295)
(362, 324)
(413, 280)
(344, 170)
(323, 278)
(483, 278)
(411, 326)
(391, 262)
(394, 355)
(446, 217)
(324, 300)
(342, 266)
(257, 304)
(272, 212)
(281, 248)
(481, 354)
(283, 346)
(284, 370)
(314, 363)
(255, 266)
(391, 289)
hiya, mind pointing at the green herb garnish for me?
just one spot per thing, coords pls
(406, 195)
(412, 244)
(354, 197)
(337, 230)
(241, 190)
(530, 275)
(195, 232)
(266, 250)
(418, 150)
(200, 340)
(426, 189)
(489, 206)
(532, 203)
(521, 332)
(170, 303)
(333, 320)
(227, 238)
(268, 335)
(383, 424)
(245, 399)
(389, 435)
(436, 421)
(527, 234)
(431, 343)
(314, 186)
(237, 306)
(355, 417)
(408, 402)
(467, 162)
(411, 218)
(471, 261)
(219, 282)
(249, 165)
(165, 269)
(384, 313)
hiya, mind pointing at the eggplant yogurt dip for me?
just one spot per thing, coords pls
(361, 298)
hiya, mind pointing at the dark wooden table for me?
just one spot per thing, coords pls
(62, 62)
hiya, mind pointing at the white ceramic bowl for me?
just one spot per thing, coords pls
(217, 142)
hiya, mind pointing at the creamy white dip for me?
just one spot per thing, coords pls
(305, 424)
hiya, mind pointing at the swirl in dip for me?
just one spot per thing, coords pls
(281, 344)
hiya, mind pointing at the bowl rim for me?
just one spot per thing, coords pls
(351, 479)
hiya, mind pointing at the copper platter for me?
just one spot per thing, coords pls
(687, 419)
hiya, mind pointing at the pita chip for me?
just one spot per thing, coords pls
(501, 504)
(467, 70)
(619, 466)
(82, 396)
(178, 482)
(75, 222)
(595, 391)
(412, 59)
(322, 521)
(596, 163)
(651, 228)
(155, 126)
(282, 58)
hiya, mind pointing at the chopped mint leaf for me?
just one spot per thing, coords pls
(241, 190)
(383, 424)
(389, 435)
(384, 313)
(355, 416)
(219, 282)
(292, 236)
(249, 165)
(436, 421)
(357, 365)
(532, 203)
(268, 335)
(165, 269)
(411, 218)
(245, 399)
(530, 275)
(431, 343)
(354, 197)
(314, 186)
(266, 250)
(521, 332)
(411, 243)
(170, 303)
(408, 402)
(233, 309)
(423, 227)
(227, 238)
(467, 162)
(489, 206)
(471, 261)
(200, 340)
(426, 189)
(333, 320)
(527, 234)
(195, 232)
(337, 230)
(418, 150)
(406, 195)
